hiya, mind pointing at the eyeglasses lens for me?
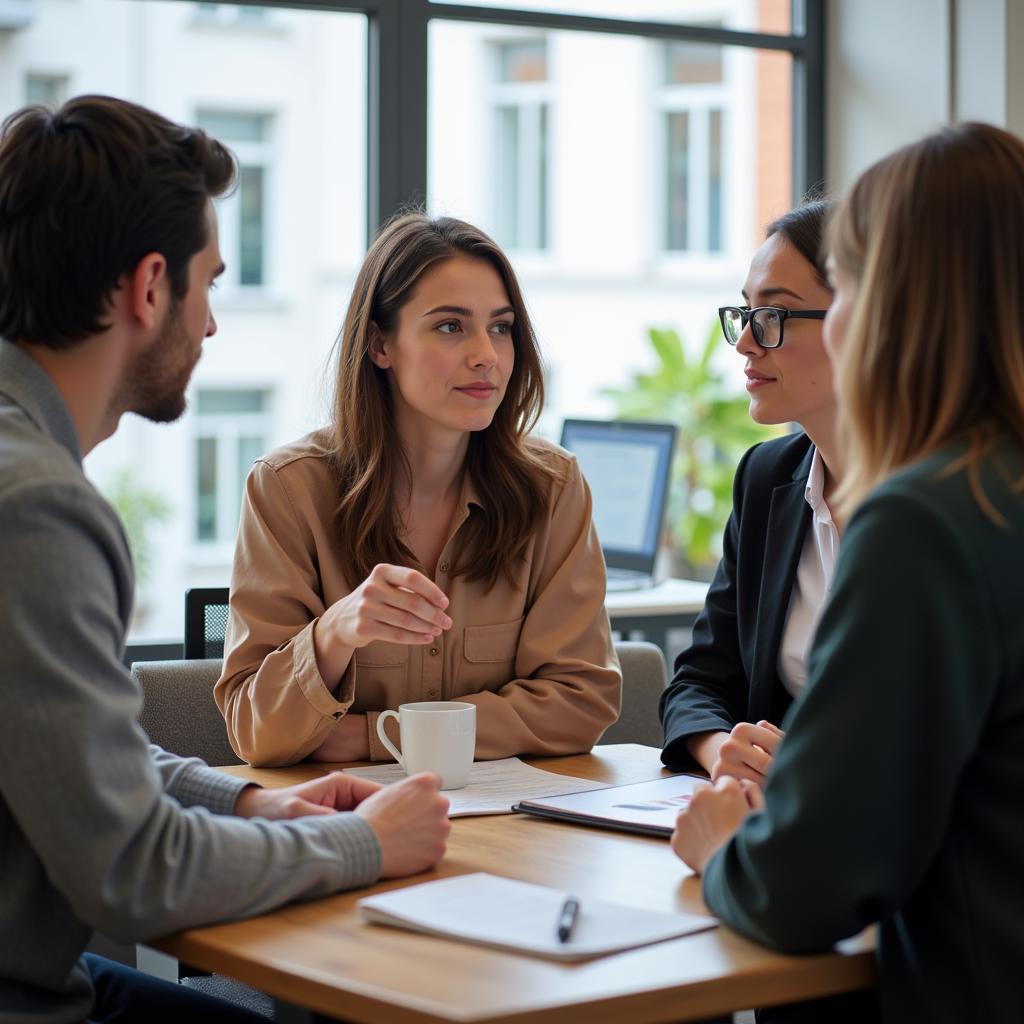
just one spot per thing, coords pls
(732, 321)
(767, 326)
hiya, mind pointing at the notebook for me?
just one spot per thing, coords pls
(488, 910)
(627, 465)
(650, 808)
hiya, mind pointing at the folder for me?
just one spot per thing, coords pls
(650, 808)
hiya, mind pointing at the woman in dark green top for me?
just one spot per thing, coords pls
(897, 795)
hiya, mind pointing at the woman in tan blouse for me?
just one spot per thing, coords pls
(424, 547)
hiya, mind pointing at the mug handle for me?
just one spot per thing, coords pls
(392, 749)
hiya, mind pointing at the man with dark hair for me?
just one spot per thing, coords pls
(108, 248)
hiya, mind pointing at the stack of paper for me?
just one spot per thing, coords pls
(491, 911)
(494, 786)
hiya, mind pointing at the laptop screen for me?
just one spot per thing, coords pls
(627, 466)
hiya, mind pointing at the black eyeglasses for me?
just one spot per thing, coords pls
(766, 322)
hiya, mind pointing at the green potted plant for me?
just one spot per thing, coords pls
(714, 431)
(140, 508)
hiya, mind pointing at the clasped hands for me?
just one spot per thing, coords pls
(738, 773)
(409, 818)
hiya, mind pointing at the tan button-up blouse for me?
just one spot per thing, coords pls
(536, 659)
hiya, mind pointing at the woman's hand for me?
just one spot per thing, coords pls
(393, 603)
(348, 741)
(711, 819)
(748, 753)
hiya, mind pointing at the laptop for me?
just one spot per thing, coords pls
(627, 465)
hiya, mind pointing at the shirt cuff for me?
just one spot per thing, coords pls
(311, 683)
(359, 852)
(196, 785)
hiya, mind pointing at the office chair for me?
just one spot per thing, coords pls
(206, 621)
(644, 676)
(178, 710)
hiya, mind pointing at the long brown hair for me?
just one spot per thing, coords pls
(934, 351)
(367, 455)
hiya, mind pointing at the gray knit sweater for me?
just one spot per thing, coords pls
(99, 830)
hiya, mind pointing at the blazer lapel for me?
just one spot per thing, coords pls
(788, 519)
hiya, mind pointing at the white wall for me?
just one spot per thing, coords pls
(898, 69)
(888, 79)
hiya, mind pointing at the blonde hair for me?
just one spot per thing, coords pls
(366, 455)
(934, 350)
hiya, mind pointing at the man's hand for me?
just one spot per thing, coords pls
(326, 795)
(748, 753)
(712, 817)
(410, 819)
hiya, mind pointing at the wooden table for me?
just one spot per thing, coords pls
(319, 956)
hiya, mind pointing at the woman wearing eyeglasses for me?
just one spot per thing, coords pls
(748, 657)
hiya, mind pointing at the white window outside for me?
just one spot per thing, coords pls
(46, 90)
(522, 101)
(232, 427)
(691, 102)
(244, 215)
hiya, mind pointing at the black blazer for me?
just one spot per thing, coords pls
(729, 672)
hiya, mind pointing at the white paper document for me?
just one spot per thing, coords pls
(488, 910)
(494, 786)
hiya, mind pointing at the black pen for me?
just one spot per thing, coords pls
(567, 918)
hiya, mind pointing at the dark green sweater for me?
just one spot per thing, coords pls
(898, 794)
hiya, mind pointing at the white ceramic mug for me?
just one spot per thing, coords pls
(437, 736)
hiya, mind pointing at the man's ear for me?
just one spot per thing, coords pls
(148, 290)
(376, 347)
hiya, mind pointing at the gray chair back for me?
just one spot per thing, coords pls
(178, 710)
(644, 676)
(179, 713)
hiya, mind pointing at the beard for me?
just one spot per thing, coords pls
(154, 384)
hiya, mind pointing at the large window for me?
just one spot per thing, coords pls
(656, 163)
(626, 153)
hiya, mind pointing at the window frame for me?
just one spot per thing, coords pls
(398, 90)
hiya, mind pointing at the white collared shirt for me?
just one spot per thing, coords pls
(812, 585)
